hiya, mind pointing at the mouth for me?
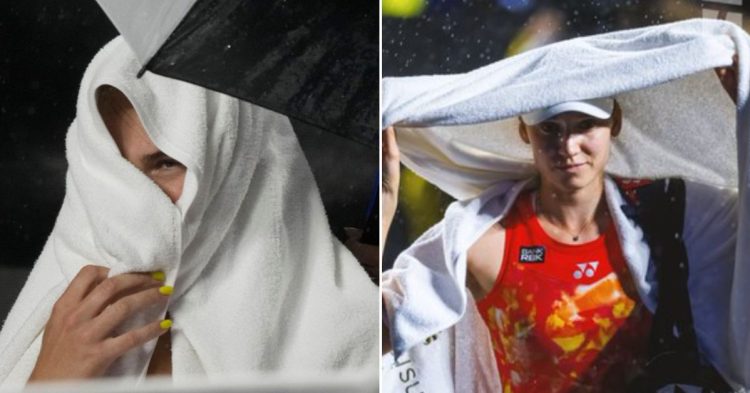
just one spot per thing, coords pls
(574, 167)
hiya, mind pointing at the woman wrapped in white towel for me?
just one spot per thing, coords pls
(191, 217)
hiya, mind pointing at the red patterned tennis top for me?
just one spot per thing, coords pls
(562, 317)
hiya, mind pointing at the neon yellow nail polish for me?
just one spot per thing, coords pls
(166, 290)
(158, 276)
(165, 324)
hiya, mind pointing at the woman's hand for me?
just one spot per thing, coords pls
(367, 255)
(391, 179)
(728, 78)
(78, 341)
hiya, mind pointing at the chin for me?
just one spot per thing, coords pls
(573, 182)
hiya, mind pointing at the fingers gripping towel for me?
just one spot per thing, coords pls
(259, 282)
(460, 132)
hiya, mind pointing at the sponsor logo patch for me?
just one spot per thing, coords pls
(532, 254)
(587, 269)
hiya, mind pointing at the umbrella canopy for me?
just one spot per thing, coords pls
(315, 61)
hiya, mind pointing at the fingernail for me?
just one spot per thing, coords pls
(158, 276)
(165, 324)
(166, 290)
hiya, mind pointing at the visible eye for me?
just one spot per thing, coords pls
(549, 128)
(167, 163)
(586, 124)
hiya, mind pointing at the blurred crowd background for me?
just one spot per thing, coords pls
(423, 37)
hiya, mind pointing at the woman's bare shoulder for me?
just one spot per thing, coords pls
(484, 260)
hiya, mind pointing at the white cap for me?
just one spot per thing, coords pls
(601, 108)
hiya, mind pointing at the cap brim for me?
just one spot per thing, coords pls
(600, 108)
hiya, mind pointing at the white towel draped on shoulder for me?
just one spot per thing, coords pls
(460, 132)
(260, 283)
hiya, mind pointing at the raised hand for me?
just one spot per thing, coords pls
(728, 78)
(78, 339)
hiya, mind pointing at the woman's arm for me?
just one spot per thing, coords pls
(391, 180)
(389, 197)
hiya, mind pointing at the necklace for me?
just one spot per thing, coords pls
(536, 201)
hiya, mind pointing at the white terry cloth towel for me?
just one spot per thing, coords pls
(460, 132)
(260, 284)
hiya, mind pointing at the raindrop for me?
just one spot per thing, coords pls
(229, 46)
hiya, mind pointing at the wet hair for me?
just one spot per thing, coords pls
(113, 106)
(111, 101)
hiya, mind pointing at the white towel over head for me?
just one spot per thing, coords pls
(460, 131)
(260, 285)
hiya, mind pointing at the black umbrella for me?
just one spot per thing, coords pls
(312, 60)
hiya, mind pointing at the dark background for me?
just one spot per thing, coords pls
(44, 50)
(453, 36)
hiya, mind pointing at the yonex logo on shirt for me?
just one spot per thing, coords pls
(587, 269)
(532, 254)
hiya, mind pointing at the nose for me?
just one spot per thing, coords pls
(569, 144)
